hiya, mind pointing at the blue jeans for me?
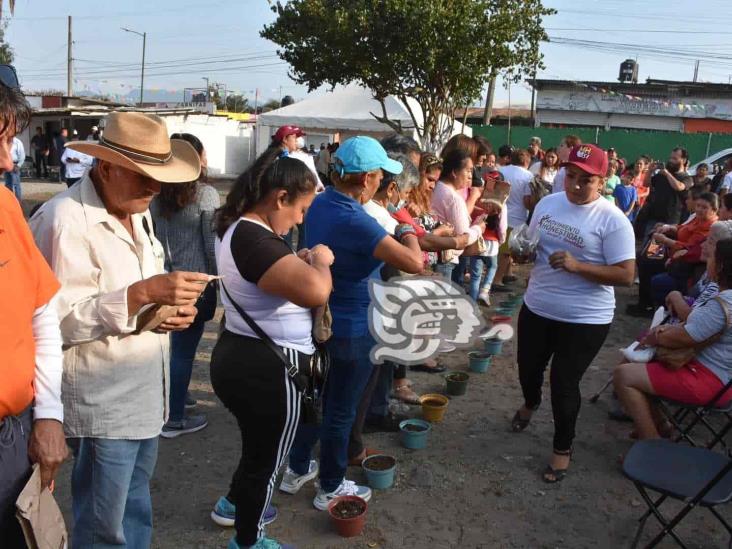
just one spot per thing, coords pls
(183, 347)
(350, 369)
(477, 281)
(662, 285)
(458, 273)
(12, 182)
(445, 269)
(110, 489)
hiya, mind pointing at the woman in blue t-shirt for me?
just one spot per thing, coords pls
(361, 246)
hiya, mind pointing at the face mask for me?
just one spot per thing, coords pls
(300, 142)
(393, 209)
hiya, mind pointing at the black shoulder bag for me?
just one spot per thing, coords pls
(309, 379)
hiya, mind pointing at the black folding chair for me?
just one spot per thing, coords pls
(686, 417)
(695, 476)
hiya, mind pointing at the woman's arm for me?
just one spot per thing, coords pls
(305, 284)
(473, 196)
(405, 255)
(431, 242)
(619, 274)
(673, 337)
(676, 303)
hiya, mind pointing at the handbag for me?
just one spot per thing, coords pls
(309, 379)
(322, 324)
(675, 359)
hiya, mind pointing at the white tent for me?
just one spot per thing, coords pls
(341, 114)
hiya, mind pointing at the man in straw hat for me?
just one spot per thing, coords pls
(97, 236)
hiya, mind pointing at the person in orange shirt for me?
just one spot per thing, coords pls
(683, 243)
(31, 413)
(638, 178)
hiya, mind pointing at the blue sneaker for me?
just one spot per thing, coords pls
(224, 513)
(263, 543)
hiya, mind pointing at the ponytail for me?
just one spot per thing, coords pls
(270, 172)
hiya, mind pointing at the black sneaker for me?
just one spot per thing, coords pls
(190, 402)
(383, 424)
(190, 424)
(509, 279)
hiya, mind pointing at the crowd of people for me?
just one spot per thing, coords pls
(114, 279)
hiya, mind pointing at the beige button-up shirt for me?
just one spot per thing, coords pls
(115, 383)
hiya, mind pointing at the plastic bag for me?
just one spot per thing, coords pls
(523, 244)
(636, 352)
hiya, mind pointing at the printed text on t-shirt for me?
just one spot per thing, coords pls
(563, 231)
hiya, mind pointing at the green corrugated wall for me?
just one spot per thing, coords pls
(629, 143)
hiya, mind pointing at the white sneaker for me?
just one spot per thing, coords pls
(445, 347)
(484, 298)
(347, 488)
(292, 482)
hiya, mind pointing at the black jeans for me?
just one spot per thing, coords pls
(647, 269)
(15, 470)
(571, 348)
(253, 384)
(41, 161)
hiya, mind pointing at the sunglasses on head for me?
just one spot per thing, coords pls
(8, 77)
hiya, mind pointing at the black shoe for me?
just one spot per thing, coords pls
(509, 279)
(383, 424)
(191, 402)
(430, 370)
(639, 311)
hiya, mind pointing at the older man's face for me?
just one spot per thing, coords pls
(124, 191)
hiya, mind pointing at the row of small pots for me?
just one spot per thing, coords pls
(348, 513)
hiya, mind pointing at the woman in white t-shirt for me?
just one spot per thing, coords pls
(586, 246)
(546, 170)
(278, 290)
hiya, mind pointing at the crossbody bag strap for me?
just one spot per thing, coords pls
(276, 349)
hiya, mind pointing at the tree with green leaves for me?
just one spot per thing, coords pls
(433, 55)
(6, 52)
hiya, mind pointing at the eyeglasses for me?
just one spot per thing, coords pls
(8, 77)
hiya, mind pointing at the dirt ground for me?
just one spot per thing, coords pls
(476, 485)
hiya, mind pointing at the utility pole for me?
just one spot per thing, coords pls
(142, 74)
(69, 79)
(696, 70)
(208, 96)
(488, 112)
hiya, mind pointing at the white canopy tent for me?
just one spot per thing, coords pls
(341, 114)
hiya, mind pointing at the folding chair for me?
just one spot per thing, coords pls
(695, 476)
(678, 413)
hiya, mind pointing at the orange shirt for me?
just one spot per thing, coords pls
(693, 233)
(26, 283)
(641, 189)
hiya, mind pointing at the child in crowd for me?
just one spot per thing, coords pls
(626, 197)
(611, 181)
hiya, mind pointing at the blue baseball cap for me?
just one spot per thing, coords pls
(363, 154)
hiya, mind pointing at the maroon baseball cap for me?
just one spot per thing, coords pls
(284, 131)
(590, 159)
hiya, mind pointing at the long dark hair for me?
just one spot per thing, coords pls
(174, 197)
(270, 172)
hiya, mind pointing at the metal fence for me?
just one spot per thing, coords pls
(629, 143)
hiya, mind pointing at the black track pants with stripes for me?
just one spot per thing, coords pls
(252, 383)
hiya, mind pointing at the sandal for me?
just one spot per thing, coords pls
(406, 395)
(558, 474)
(518, 423)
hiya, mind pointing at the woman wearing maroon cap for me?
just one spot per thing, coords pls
(586, 246)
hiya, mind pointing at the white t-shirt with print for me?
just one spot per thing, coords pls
(519, 178)
(596, 233)
(381, 215)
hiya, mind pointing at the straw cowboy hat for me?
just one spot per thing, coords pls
(139, 142)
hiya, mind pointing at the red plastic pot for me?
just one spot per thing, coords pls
(348, 527)
(501, 319)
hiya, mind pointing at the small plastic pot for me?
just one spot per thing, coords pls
(456, 383)
(350, 526)
(379, 470)
(501, 319)
(414, 433)
(479, 361)
(492, 346)
(505, 311)
(434, 407)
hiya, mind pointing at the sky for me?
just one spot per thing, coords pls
(188, 42)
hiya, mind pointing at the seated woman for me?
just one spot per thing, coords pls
(699, 381)
(658, 278)
(705, 288)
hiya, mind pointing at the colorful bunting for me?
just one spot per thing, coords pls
(662, 102)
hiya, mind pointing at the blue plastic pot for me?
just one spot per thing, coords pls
(379, 479)
(506, 311)
(415, 439)
(479, 361)
(492, 346)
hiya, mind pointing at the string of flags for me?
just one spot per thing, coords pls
(681, 107)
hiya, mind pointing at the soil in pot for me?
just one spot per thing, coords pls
(414, 428)
(348, 509)
(380, 463)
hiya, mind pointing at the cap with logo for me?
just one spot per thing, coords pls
(364, 154)
(284, 131)
(590, 159)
